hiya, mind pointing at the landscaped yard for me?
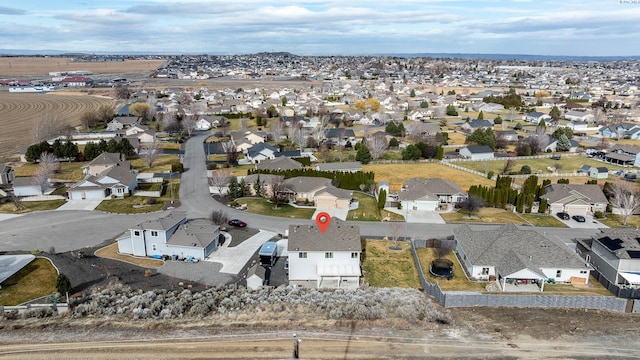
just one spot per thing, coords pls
(111, 252)
(542, 220)
(28, 206)
(383, 267)
(70, 171)
(458, 282)
(161, 164)
(486, 215)
(141, 204)
(264, 207)
(33, 281)
(150, 186)
(398, 174)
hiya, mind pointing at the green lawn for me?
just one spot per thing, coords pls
(383, 267)
(35, 280)
(542, 220)
(264, 207)
(367, 208)
(140, 204)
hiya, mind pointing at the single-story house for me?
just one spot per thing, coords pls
(623, 154)
(429, 194)
(317, 191)
(279, 163)
(575, 199)
(107, 175)
(477, 152)
(512, 256)
(349, 166)
(202, 124)
(329, 259)
(507, 135)
(582, 116)
(171, 236)
(535, 117)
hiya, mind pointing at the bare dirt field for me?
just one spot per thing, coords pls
(34, 66)
(18, 111)
(477, 333)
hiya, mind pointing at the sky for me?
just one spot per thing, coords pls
(324, 27)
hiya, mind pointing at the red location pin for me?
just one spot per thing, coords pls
(323, 220)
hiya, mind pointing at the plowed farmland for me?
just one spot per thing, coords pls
(25, 66)
(19, 111)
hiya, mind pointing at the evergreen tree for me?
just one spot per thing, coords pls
(363, 155)
(382, 198)
(544, 204)
(257, 187)
(57, 149)
(63, 284)
(70, 150)
(481, 116)
(125, 148)
(439, 153)
(234, 188)
(520, 203)
(411, 153)
(563, 144)
(243, 188)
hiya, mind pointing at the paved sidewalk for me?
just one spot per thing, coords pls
(233, 259)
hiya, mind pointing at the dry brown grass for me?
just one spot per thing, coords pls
(12, 66)
(18, 111)
(111, 252)
(485, 215)
(383, 267)
(397, 174)
(459, 281)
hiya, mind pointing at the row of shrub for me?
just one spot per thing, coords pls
(123, 303)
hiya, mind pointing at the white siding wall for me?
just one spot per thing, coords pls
(302, 269)
(476, 272)
(566, 274)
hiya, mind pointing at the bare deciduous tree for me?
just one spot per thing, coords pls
(150, 153)
(377, 146)
(472, 204)
(219, 217)
(220, 179)
(277, 128)
(443, 247)
(189, 123)
(49, 162)
(297, 135)
(508, 165)
(47, 127)
(278, 191)
(231, 152)
(624, 197)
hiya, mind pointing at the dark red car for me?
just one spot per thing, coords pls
(237, 222)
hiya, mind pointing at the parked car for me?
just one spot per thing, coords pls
(578, 218)
(237, 223)
(563, 215)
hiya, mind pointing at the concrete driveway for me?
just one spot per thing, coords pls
(233, 259)
(590, 223)
(418, 216)
(87, 205)
(335, 213)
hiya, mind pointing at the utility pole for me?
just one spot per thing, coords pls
(171, 187)
(296, 346)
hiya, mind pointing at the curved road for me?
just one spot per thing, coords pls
(71, 230)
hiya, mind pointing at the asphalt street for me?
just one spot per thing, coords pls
(72, 230)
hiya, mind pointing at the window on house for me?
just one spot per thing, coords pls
(154, 247)
(302, 255)
(154, 233)
(354, 255)
(136, 233)
(328, 255)
(583, 271)
(559, 273)
(485, 271)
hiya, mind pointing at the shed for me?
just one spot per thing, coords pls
(256, 277)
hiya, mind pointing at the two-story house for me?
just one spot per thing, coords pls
(325, 260)
(171, 236)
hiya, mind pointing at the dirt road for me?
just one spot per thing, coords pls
(478, 333)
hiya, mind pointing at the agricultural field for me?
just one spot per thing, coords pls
(24, 66)
(19, 111)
